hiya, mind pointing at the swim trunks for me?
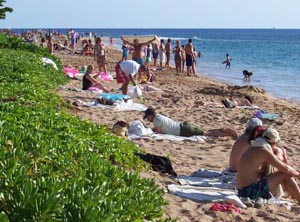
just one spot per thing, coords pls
(120, 75)
(189, 60)
(256, 190)
(188, 129)
(139, 61)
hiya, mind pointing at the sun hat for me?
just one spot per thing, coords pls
(150, 111)
(271, 135)
(254, 122)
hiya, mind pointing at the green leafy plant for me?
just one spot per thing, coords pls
(54, 166)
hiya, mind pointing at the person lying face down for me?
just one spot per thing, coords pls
(252, 180)
(165, 125)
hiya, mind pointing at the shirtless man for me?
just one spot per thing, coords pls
(168, 49)
(252, 181)
(242, 144)
(138, 49)
(190, 57)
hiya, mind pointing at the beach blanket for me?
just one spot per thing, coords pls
(207, 185)
(138, 131)
(210, 178)
(113, 96)
(200, 194)
(119, 105)
(262, 114)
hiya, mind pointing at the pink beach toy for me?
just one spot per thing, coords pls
(71, 72)
(106, 76)
(95, 89)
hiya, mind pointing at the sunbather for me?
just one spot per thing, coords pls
(253, 182)
(165, 125)
(231, 103)
(254, 130)
(89, 80)
(242, 143)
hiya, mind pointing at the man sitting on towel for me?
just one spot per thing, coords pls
(253, 182)
(166, 125)
(254, 130)
(243, 143)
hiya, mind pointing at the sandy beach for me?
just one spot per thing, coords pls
(184, 99)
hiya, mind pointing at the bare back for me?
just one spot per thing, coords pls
(238, 148)
(189, 50)
(253, 164)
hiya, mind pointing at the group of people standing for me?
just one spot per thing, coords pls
(146, 52)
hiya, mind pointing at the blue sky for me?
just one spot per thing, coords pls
(152, 14)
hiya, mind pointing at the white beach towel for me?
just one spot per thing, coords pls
(210, 178)
(248, 107)
(119, 105)
(200, 193)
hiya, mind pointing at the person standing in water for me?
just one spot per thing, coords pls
(227, 61)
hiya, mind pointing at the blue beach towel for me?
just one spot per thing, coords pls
(113, 97)
(261, 114)
(270, 116)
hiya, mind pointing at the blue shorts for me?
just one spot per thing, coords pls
(256, 190)
(139, 61)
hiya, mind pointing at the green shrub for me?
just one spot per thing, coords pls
(56, 167)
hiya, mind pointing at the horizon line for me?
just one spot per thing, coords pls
(272, 28)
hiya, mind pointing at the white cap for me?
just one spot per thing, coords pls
(271, 135)
(254, 122)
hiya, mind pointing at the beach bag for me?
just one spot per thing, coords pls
(120, 128)
(137, 92)
(137, 128)
(158, 163)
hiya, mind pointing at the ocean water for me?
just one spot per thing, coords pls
(273, 55)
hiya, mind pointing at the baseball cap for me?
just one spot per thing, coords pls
(254, 122)
(271, 135)
(150, 111)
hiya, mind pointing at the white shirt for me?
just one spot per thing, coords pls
(129, 67)
(167, 125)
